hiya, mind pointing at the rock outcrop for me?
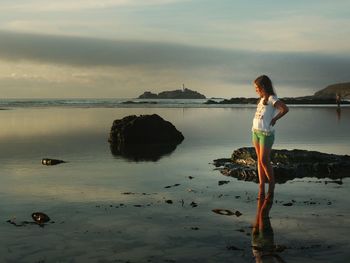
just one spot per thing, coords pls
(306, 100)
(143, 138)
(174, 94)
(287, 164)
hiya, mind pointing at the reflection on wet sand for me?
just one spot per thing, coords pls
(263, 245)
(143, 152)
(338, 113)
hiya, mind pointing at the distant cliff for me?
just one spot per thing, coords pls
(174, 94)
(343, 89)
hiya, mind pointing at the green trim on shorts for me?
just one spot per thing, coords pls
(263, 139)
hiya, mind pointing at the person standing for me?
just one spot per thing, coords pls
(269, 110)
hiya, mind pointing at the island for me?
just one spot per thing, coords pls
(332, 94)
(183, 93)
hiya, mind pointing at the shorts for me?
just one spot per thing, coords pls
(263, 138)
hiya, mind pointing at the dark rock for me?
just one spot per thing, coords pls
(48, 161)
(226, 212)
(211, 102)
(287, 164)
(308, 100)
(139, 102)
(143, 138)
(238, 214)
(170, 186)
(148, 95)
(223, 182)
(240, 100)
(40, 218)
(173, 94)
(193, 204)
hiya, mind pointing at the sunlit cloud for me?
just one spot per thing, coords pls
(66, 66)
(123, 47)
(68, 5)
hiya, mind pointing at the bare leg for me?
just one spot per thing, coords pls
(261, 171)
(265, 160)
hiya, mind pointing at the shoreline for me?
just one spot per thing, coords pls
(7, 104)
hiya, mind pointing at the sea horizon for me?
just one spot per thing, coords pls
(10, 103)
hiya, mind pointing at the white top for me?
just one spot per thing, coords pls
(264, 114)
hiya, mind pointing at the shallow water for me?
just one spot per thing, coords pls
(108, 209)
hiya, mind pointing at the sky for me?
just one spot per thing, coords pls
(121, 48)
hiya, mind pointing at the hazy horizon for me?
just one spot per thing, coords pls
(121, 48)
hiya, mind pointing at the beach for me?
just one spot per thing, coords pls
(105, 208)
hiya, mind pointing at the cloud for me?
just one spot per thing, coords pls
(155, 64)
(91, 52)
(68, 5)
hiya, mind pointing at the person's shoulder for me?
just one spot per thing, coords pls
(272, 99)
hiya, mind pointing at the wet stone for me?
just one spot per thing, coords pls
(48, 161)
(170, 186)
(223, 182)
(287, 165)
(193, 204)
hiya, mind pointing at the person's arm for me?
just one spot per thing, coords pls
(282, 110)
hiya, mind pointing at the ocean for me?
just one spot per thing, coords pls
(107, 208)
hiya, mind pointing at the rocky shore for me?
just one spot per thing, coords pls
(332, 94)
(307, 100)
(287, 164)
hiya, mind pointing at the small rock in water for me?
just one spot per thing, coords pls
(170, 186)
(226, 212)
(223, 182)
(48, 161)
(238, 214)
(40, 218)
(288, 204)
(193, 204)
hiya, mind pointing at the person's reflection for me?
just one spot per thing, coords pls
(262, 234)
(338, 113)
(338, 102)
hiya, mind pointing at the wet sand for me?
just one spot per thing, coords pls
(144, 227)
(106, 209)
